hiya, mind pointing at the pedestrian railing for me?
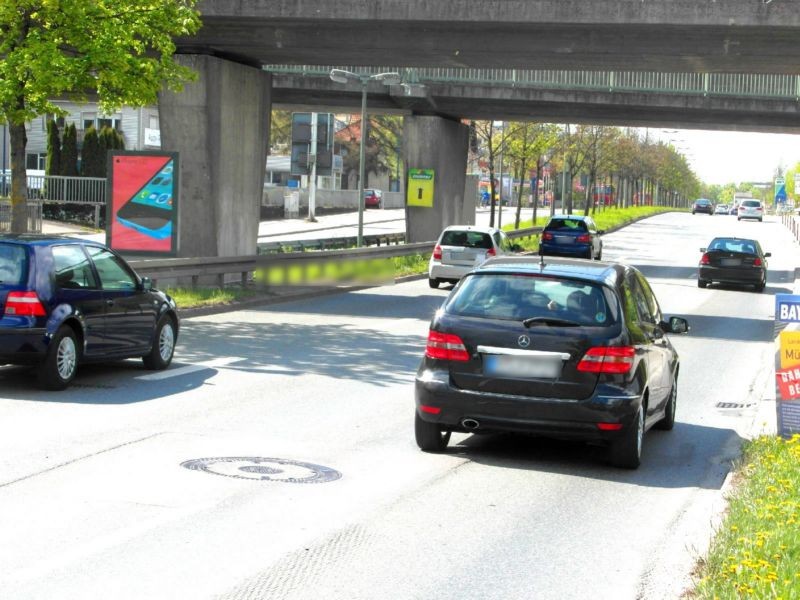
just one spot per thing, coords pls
(34, 215)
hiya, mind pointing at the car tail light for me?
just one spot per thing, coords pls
(24, 304)
(432, 410)
(547, 236)
(759, 208)
(607, 359)
(609, 426)
(445, 346)
(491, 252)
(705, 260)
(756, 262)
(584, 238)
(437, 252)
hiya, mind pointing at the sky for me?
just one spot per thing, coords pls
(728, 156)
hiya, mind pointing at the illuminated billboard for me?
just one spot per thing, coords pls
(142, 203)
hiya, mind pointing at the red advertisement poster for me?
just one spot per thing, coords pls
(789, 383)
(142, 203)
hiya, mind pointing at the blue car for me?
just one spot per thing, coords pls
(572, 236)
(64, 302)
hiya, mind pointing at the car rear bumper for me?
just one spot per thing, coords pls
(746, 275)
(552, 417)
(22, 346)
(437, 270)
(753, 215)
(549, 248)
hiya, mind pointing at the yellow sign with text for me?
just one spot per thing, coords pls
(420, 188)
(790, 349)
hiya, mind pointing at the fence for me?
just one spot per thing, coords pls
(59, 189)
(34, 216)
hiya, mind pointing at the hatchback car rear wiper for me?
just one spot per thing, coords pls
(550, 321)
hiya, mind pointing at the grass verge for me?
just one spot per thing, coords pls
(756, 552)
(194, 298)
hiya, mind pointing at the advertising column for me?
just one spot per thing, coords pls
(787, 373)
(142, 203)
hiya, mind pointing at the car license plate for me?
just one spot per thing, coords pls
(731, 262)
(537, 367)
(565, 239)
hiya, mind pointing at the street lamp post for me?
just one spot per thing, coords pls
(342, 76)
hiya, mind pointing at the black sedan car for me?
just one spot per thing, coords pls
(65, 301)
(562, 348)
(733, 261)
(703, 206)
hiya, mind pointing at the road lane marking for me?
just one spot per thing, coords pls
(208, 364)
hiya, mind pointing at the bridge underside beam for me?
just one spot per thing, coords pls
(485, 102)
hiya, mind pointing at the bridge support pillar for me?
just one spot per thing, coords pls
(220, 126)
(438, 144)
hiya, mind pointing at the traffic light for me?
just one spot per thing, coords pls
(302, 152)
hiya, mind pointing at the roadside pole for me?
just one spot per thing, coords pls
(312, 184)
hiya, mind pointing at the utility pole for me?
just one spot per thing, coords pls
(312, 158)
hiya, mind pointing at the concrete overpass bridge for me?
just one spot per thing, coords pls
(220, 124)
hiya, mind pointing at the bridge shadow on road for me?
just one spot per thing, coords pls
(688, 456)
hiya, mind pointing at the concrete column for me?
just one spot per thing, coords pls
(438, 144)
(220, 126)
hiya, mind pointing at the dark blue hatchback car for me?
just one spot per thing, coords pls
(65, 301)
(575, 236)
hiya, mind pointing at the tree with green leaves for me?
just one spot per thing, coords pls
(122, 50)
(53, 164)
(91, 161)
(69, 151)
(528, 147)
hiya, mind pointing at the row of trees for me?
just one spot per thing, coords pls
(637, 167)
(62, 154)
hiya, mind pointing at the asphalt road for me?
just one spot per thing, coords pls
(94, 502)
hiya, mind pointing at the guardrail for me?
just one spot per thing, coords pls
(339, 243)
(244, 266)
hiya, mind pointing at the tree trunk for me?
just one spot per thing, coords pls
(19, 179)
(491, 192)
(522, 166)
(536, 190)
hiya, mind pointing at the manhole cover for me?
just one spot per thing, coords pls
(269, 469)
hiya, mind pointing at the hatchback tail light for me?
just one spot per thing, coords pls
(758, 208)
(584, 239)
(491, 252)
(24, 304)
(446, 346)
(547, 236)
(705, 260)
(437, 252)
(607, 359)
(757, 262)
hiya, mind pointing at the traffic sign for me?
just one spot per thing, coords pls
(780, 190)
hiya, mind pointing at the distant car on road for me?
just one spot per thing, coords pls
(65, 301)
(733, 260)
(751, 209)
(563, 348)
(460, 248)
(571, 235)
(702, 205)
(721, 209)
(373, 199)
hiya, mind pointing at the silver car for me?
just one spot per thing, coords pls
(751, 209)
(461, 248)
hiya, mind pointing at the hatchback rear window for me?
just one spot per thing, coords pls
(566, 225)
(466, 239)
(751, 203)
(520, 297)
(13, 264)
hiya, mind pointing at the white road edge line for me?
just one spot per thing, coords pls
(208, 364)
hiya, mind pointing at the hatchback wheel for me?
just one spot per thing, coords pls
(760, 287)
(626, 452)
(701, 283)
(434, 283)
(430, 437)
(160, 355)
(668, 422)
(59, 366)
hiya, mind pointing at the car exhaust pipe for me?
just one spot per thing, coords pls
(470, 424)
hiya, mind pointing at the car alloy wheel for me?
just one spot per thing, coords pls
(166, 343)
(66, 358)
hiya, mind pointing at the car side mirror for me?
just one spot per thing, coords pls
(703, 249)
(767, 254)
(147, 284)
(675, 325)
(601, 231)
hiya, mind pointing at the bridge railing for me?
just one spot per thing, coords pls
(760, 85)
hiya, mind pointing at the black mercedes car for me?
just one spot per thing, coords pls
(733, 260)
(703, 206)
(563, 348)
